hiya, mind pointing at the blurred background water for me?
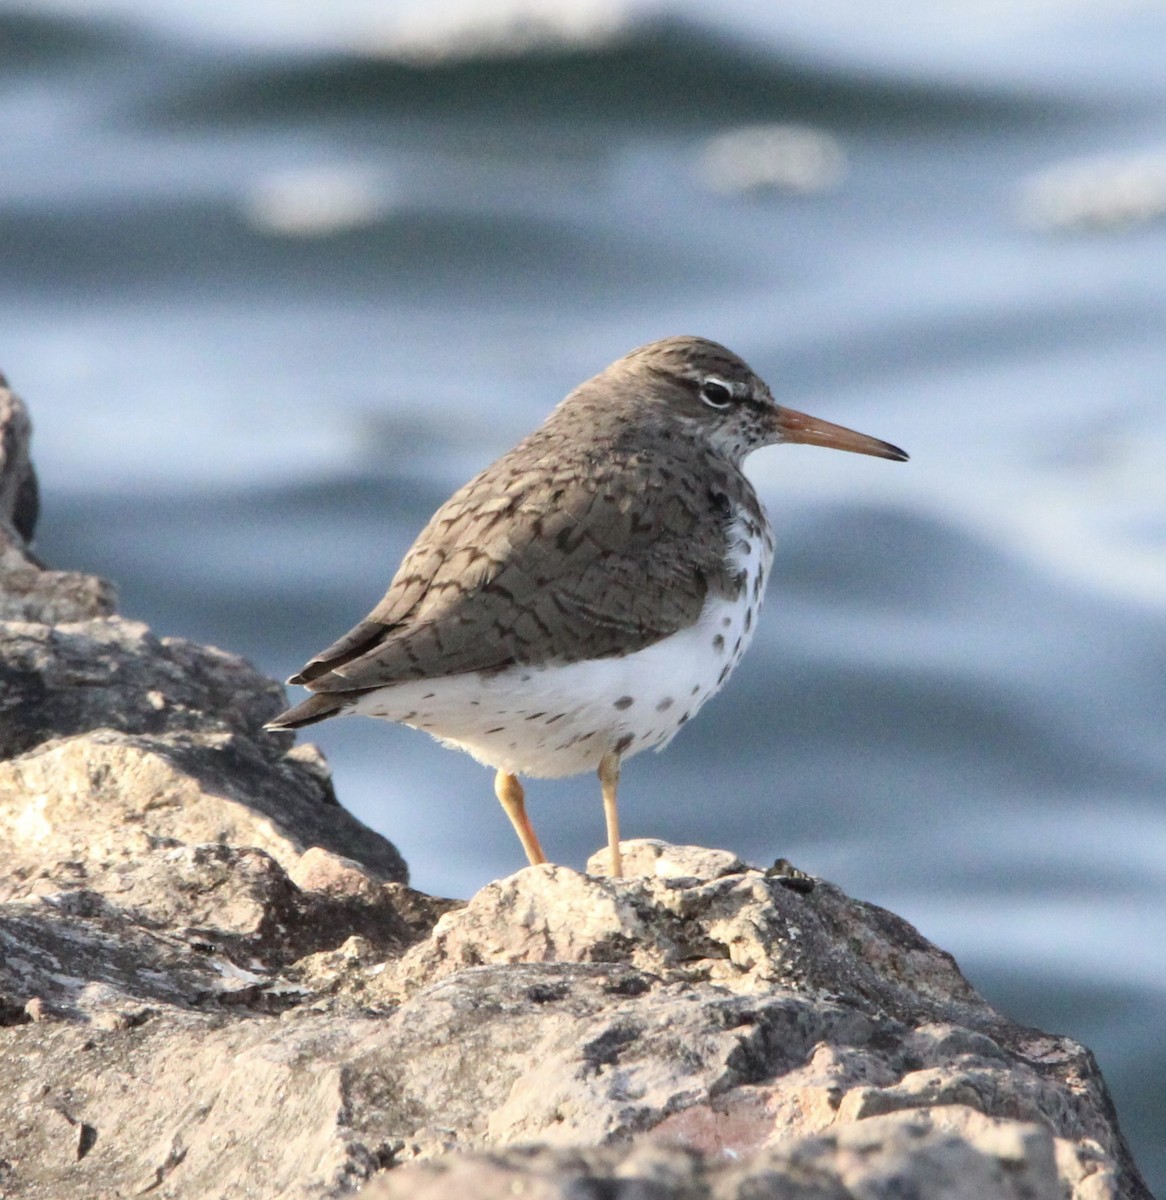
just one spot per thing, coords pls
(276, 277)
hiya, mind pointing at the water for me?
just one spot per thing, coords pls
(275, 281)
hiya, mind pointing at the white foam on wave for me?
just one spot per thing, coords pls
(315, 201)
(779, 157)
(426, 30)
(464, 29)
(1109, 191)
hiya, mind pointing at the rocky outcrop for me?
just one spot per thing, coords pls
(114, 741)
(215, 983)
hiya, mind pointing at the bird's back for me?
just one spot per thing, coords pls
(568, 547)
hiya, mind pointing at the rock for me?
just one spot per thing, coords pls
(907, 1154)
(319, 870)
(19, 498)
(647, 856)
(28, 592)
(610, 1022)
(112, 738)
(214, 983)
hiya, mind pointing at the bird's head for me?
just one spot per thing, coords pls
(699, 386)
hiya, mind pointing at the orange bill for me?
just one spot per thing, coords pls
(795, 426)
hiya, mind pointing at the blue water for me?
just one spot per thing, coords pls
(275, 282)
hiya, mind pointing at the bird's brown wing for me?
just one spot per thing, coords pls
(530, 563)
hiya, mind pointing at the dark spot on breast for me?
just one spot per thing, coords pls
(719, 644)
(624, 742)
(726, 622)
(664, 704)
(724, 674)
(720, 505)
(624, 702)
(498, 729)
(748, 619)
(535, 716)
(684, 718)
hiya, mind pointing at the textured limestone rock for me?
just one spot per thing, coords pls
(112, 739)
(18, 487)
(27, 591)
(910, 1154)
(222, 1032)
(214, 983)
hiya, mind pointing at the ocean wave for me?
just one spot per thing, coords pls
(174, 246)
(31, 41)
(655, 69)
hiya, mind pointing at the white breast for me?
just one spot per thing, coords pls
(558, 719)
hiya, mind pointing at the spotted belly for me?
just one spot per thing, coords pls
(555, 719)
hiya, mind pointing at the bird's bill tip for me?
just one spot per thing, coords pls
(794, 426)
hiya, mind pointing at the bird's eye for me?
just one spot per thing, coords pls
(716, 394)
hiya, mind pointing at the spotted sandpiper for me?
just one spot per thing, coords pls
(581, 598)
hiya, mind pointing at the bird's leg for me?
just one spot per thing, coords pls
(609, 782)
(509, 792)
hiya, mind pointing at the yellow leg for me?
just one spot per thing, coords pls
(609, 782)
(509, 792)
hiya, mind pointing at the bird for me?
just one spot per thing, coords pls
(581, 598)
